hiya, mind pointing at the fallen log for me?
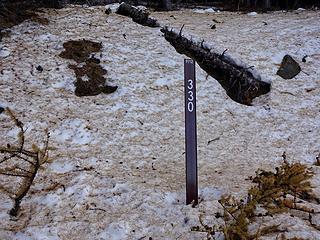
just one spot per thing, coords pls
(137, 15)
(242, 83)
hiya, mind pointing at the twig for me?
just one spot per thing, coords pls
(14, 174)
(34, 158)
(180, 33)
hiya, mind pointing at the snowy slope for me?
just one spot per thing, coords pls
(118, 160)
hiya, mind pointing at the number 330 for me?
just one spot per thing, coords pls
(190, 96)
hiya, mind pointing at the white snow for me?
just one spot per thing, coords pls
(4, 52)
(252, 14)
(208, 10)
(142, 8)
(45, 233)
(61, 167)
(118, 159)
(114, 7)
(115, 231)
(74, 131)
(46, 38)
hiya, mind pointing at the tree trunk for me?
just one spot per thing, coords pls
(240, 82)
(267, 4)
(137, 16)
(166, 5)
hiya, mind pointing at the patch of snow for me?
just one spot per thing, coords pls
(45, 233)
(142, 8)
(114, 7)
(162, 82)
(262, 100)
(121, 188)
(252, 14)
(46, 38)
(173, 198)
(277, 57)
(73, 131)
(13, 133)
(64, 82)
(208, 10)
(210, 194)
(85, 78)
(50, 200)
(60, 167)
(4, 52)
(80, 191)
(115, 231)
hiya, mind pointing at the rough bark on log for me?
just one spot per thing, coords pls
(137, 15)
(241, 83)
(90, 2)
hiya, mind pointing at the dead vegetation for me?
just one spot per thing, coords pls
(19, 166)
(287, 190)
(90, 77)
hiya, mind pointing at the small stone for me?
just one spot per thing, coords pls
(289, 68)
(213, 26)
(1, 109)
(39, 68)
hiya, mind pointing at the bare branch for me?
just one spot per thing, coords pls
(14, 174)
(20, 157)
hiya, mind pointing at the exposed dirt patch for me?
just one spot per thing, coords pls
(95, 83)
(80, 50)
(90, 77)
(10, 18)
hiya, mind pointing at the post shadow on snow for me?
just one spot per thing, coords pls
(90, 75)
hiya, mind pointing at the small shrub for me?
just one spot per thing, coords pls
(274, 192)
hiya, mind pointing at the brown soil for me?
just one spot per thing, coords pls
(80, 50)
(95, 82)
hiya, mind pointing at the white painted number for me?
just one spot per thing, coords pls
(190, 96)
(190, 86)
(190, 106)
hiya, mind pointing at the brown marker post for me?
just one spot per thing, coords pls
(190, 132)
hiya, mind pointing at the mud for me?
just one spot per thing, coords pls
(90, 77)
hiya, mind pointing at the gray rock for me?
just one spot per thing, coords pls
(289, 68)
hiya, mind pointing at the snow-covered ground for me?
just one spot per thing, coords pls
(117, 168)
